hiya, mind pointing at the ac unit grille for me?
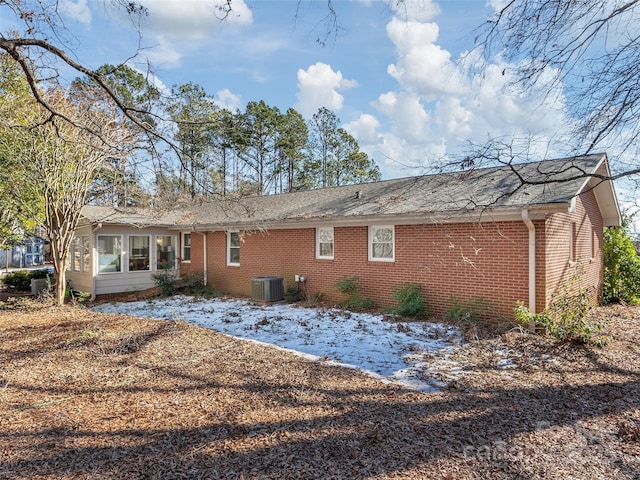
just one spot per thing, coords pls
(267, 289)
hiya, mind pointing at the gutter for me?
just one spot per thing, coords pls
(503, 214)
(532, 266)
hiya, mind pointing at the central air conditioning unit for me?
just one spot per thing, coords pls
(267, 289)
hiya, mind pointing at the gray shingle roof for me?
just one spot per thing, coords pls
(551, 182)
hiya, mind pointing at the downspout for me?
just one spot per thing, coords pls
(94, 229)
(204, 256)
(532, 266)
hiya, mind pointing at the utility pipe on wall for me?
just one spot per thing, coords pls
(204, 256)
(532, 266)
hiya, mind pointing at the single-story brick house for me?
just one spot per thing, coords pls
(504, 234)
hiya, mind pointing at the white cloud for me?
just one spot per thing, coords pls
(442, 105)
(364, 129)
(226, 99)
(318, 86)
(409, 117)
(77, 10)
(163, 54)
(419, 10)
(193, 18)
(421, 65)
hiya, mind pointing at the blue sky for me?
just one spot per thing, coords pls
(392, 75)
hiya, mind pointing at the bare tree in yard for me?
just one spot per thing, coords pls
(58, 151)
(60, 156)
(587, 52)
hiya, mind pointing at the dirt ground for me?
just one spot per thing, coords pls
(86, 395)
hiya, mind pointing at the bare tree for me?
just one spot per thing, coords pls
(587, 51)
(59, 157)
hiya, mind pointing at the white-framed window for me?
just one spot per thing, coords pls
(109, 253)
(85, 244)
(139, 253)
(593, 242)
(186, 247)
(74, 255)
(324, 242)
(381, 243)
(166, 252)
(233, 248)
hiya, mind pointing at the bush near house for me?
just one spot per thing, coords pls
(352, 298)
(567, 317)
(621, 267)
(410, 301)
(21, 279)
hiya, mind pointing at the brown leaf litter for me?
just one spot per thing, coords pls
(85, 395)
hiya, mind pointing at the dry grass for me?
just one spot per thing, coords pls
(86, 395)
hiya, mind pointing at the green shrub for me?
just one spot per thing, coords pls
(353, 299)
(19, 279)
(348, 285)
(41, 273)
(621, 267)
(294, 294)
(167, 282)
(567, 317)
(468, 310)
(193, 282)
(358, 302)
(410, 301)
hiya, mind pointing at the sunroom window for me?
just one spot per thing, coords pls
(109, 253)
(165, 252)
(139, 253)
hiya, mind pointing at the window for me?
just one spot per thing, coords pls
(86, 253)
(109, 253)
(79, 254)
(165, 252)
(138, 253)
(233, 248)
(593, 243)
(381, 241)
(186, 247)
(74, 256)
(324, 242)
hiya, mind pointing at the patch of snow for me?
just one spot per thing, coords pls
(397, 352)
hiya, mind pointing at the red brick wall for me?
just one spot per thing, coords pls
(586, 268)
(461, 261)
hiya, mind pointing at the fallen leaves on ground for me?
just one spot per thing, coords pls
(87, 395)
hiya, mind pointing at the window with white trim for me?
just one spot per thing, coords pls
(79, 253)
(74, 255)
(86, 253)
(233, 248)
(166, 252)
(186, 247)
(324, 242)
(381, 243)
(109, 253)
(139, 258)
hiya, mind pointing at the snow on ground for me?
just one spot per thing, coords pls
(394, 351)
